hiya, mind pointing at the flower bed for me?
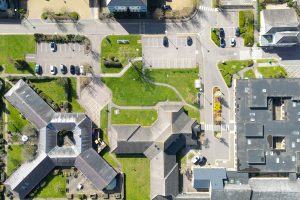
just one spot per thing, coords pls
(217, 106)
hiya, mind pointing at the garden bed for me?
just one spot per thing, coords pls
(246, 24)
(249, 74)
(49, 16)
(214, 34)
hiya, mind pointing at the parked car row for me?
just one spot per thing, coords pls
(199, 160)
(232, 40)
(78, 70)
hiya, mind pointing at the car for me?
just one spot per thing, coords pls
(77, 70)
(81, 69)
(237, 32)
(53, 46)
(202, 161)
(165, 41)
(221, 33)
(222, 42)
(72, 69)
(189, 41)
(38, 69)
(166, 7)
(232, 42)
(63, 69)
(196, 159)
(52, 69)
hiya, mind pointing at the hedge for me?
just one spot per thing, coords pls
(246, 24)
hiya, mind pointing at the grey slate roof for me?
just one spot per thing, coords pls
(95, 168)
(30, 104)
(29, 175)
(254, 105)
(280, 27)
(80, 154)
(172, 130)
(205, 178)
(127, 3)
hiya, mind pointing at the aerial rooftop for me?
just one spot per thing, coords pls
(268, 125)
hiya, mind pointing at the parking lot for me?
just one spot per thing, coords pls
(230, 33)
(67, 54)
(177, 54)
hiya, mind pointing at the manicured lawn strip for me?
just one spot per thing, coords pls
(231, 67)
(103, 127)
(110, 47)
(272, 72)
(266, 60)
(249, 74)
(182, 79)
(214, 33)
(130, 90)
(14, 158)
(15, 121)
(137, 176)
(75, 105)
(56, 92)
(246, 24)
(193, 113)
(15, 47)
(134, 116)
(55, 187)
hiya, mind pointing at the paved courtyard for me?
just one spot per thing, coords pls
(37, 7)
(177, 55)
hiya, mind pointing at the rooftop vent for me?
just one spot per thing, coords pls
(277, 160)
(264, 90)
(293, 158)
(249, 142)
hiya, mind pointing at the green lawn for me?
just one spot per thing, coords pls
(192, 113)
(110, 47)
(249, 74)
(182, 79)
(134, 116)
(246, 24)
(15, 121)
(15, 47)
(14, 158)
(56, 91)
(272, 72)
(229, 68)
(55, 187)
(137, 177)
(214, 34)
(132, 90)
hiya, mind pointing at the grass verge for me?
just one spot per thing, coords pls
(134, 116)
(14, 158)
(192, 113)
(249, 74)
(214, 34)
(14, 47)
(133, 90)
(231, 67)
(273, 72)
(15, 121)
(246, 24)
(123, 52)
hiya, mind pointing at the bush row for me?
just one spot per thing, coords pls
(69, 38)
(74, 16)
(112, 62)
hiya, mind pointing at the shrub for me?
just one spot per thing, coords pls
(74, 16)
(43, 95)
(21, 64)
(44, 16)
(55, 107)
(110, 63)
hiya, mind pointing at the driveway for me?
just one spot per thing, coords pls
(177, 54)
